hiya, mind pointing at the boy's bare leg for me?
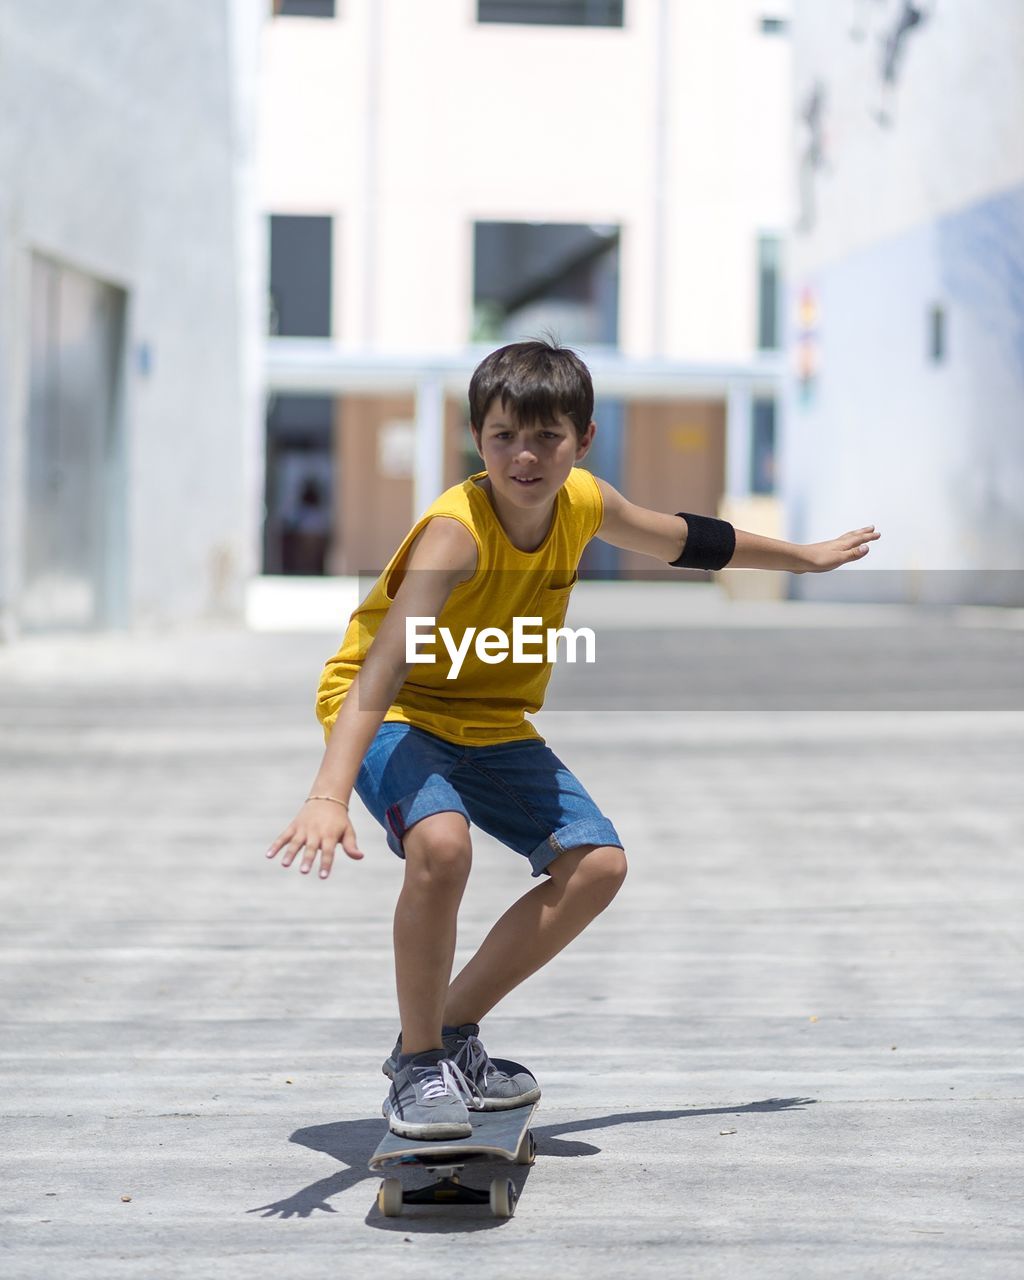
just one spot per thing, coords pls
(438, 855)
(582, 883)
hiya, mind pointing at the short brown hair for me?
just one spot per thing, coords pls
(535, 381)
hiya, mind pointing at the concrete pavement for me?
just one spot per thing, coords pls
(792, 1046)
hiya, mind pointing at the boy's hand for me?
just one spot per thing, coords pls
(319, 827)
(819, 557)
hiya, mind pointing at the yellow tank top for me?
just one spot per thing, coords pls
(486, 702)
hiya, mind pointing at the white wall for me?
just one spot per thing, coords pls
(125, 152)
(926, 212)
(956, 135)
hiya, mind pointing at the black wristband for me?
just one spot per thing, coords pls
(710, 543)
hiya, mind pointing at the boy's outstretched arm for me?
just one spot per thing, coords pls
(442, 556)
(663, 536)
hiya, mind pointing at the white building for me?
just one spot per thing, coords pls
(468, 172)
(131, 303)
(434, 178)
(906, 306)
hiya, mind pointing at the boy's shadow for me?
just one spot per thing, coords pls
(352, 1142)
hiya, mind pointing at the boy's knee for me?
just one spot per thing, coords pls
(601, 869)
(608, 867)
(438, 850)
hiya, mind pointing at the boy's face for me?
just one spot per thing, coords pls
(528, 463)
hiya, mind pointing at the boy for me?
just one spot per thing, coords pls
(428, 754)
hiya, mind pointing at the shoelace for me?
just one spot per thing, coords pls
(445, 1077)
(473, 1057)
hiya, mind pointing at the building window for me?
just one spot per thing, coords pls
(768, 268)
(937, 334)
(299, 499)
(300, 276)
(774, 26)
(530, 276)
(303, 8)
(762, 447)
(554, 13)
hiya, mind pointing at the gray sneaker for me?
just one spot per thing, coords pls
(428, 1098)
(500, 1090)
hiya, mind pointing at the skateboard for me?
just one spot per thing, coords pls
(497, 1135)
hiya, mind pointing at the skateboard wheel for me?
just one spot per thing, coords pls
(527, 1153)
(389, 1198)
(503, 1197)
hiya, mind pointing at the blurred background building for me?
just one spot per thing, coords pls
(905, 402)
(442, 178)
(252, 250)
(130, 273)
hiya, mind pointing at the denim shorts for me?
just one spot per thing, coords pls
(518, 792)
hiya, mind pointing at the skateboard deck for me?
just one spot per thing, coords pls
(497, 1135)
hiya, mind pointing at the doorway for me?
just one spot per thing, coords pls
(74, 490)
